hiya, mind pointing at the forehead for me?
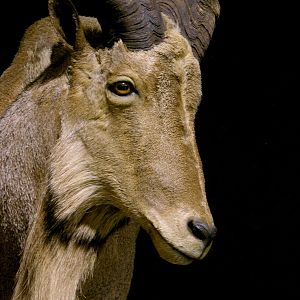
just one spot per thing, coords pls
(165, 55)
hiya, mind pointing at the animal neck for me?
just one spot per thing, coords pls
(28, 132)
(89, 244)
(113, 267)
(52, 269)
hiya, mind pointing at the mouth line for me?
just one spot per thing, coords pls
(170, 245)
(179, 252)
(152, 230)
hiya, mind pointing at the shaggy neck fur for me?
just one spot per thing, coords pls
(76, 231)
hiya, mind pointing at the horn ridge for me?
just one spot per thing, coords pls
(154, 18)
(138, 24)
(196, 19)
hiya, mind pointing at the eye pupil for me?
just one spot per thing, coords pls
(122, 88)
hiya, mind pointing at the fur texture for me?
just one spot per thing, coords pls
(81, 167)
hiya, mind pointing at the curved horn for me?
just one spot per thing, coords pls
(138, 23)
(196, 19)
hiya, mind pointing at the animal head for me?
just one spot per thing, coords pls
(128, 148)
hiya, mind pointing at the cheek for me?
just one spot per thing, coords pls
(86, 101)
(94, 93)
(192, 91)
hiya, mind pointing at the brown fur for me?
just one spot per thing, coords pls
(81, 168)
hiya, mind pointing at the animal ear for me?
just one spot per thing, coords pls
(66, 20)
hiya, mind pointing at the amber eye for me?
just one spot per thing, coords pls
(122, 88)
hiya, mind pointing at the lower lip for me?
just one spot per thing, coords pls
(186, 257)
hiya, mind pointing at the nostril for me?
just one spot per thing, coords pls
(201, 230)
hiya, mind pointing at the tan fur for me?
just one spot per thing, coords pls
(91, 166)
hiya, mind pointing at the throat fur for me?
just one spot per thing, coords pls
(91, 231)
(79, 205)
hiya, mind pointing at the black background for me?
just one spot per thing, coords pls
(248, 135)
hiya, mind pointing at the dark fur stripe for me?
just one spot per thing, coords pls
(60, 229)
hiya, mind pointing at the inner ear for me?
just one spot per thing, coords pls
(65, 19)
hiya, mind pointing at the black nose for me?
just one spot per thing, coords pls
(201, 231)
